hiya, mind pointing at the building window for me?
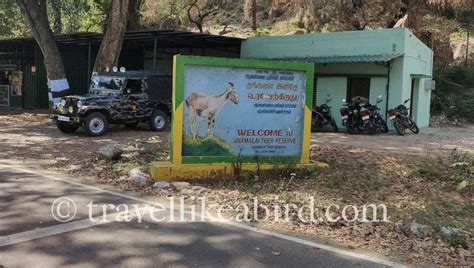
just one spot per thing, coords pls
(358, 87)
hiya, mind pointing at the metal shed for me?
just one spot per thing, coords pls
(142, 50)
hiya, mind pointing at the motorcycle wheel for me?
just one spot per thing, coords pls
(372, 129)
(414, 128)
(334, 125)
(383, 126)
(315, 122)
(399, 127)
(314, 128)
(350, 129)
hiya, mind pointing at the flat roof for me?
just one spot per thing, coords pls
(337, 47)
(163, 38)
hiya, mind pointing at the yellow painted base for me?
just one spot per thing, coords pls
(167, 171)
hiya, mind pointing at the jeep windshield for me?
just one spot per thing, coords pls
(105, 84)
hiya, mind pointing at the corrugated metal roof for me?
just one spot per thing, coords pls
(345, 59)
(163, 37)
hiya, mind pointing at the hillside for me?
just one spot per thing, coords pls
(439, 25)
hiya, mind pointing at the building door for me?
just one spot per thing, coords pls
(30, 89)
(358, 87)
(414, 97)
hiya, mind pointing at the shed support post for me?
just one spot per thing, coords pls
(154, 54)
(89, 59)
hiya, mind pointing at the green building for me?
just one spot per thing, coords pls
(388, 62)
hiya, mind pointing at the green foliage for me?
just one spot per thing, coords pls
(81, 15)
(456, 241)
(459, 34)
(11, 20)
(76, 16)
(206, 146)
(454, 94)
(262, 32)
(461, 170)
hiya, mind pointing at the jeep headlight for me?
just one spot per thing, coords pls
(63, 102)
(71, 109)
(61, 108)
(79, 104)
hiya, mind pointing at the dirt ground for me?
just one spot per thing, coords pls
(429, 140)
(412, 175)
(30, 136)
(33, 137)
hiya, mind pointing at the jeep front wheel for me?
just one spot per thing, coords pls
(96, 124)
(67, 127)
(158, 121)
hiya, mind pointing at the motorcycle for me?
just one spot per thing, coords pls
(402, 119)
(376, 118)
(321, 116)
(356, 117)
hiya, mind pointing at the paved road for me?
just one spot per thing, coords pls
(31, 237)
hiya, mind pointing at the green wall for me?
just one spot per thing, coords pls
(336, 89)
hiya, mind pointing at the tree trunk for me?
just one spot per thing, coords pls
(414, 9)
(35, 14)
(111, 46)
(134, 15)
(57, 24)
(247, 10)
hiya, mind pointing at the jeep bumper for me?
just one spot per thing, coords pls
(66, 118)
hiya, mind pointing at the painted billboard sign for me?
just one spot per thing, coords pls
(252, 109)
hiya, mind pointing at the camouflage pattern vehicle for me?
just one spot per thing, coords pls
(127, 98)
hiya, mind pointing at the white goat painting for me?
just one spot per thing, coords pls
(208, 106)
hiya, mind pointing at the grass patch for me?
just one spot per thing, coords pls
(456, 240)
(443, 213)
(279, 180)
(440, 213)
(461, 170)
(456, 170)
(206, 146)
(430, 169)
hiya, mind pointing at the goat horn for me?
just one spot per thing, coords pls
(231, 84)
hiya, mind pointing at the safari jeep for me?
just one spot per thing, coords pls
(127, 98)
